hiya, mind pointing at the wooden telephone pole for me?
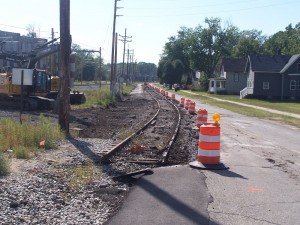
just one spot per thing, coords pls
(124, 40)
(112, 67)
(64, 71)
(100, 68)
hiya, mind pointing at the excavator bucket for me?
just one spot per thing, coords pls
(77, 98)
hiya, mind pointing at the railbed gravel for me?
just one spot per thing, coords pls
(41, 193)
(40, 190)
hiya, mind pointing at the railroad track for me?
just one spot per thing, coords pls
(151, 144)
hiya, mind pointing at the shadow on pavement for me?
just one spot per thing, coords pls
(175, 204)
(228, 173)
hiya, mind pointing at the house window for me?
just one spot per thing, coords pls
(298, 67)
(236, 77)
(293, 85)
(266, 85)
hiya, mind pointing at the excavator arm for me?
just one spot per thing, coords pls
(41, 53)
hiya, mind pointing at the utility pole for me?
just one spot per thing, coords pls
(81, 71)
(127, 65)
(124, 40)
(112, 72)
(64, 70)
(115, 61)
(130, 54)
(52, 55)
(100, 68)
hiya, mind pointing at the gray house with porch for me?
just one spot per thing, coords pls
(232, 79)
(272, 77)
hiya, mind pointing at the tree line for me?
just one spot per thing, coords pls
(87, 66)
(203, 47)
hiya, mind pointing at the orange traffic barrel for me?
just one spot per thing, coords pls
(182, 102)
(209, 144)
(187, 103)
(167, 94)
(192, 108)
(201, 117)
(173, 98)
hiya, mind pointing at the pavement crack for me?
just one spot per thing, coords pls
(291, 202)
(250, 217)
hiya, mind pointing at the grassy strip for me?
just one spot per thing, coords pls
(102, 96)
(244, 110)
(26, 139)
(284, 106)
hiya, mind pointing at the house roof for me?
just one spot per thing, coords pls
(291, 62)
(234, 64)
(267, 63)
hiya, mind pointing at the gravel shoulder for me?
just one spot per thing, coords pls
(68, 185)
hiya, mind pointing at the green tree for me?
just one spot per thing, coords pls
(147, 71)
(245, 47)
(178, 70)
(210, 44)
(85, 63)
(177, 48)
(285, 42)
(168, 74)
(160, 67)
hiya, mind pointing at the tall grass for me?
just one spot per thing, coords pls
(4, 164)
(103, 96)
(25, 138)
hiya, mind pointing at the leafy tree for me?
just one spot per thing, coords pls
(286, 42)
(146, 71)
(178, 70)
(168, 74)
(246, 46)
(177, 48)
(160, 67)
(85, 63)
(210, 44)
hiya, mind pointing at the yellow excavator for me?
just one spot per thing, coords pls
(36, 88)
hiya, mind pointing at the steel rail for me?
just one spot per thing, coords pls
(109, 152)
(114, 148)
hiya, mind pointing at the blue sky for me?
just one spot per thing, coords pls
(149, 22)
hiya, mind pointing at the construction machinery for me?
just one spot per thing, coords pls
(35, 88)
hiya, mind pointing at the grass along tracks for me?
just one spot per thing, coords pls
(230, 102)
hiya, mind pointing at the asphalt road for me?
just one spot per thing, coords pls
(262, 185)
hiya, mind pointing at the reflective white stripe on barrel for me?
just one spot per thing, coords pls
(208, 138)
(208, 153)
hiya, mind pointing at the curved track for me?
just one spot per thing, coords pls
(150, 144)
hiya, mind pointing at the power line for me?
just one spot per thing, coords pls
(195, 6)
(213, 12)
(124, 40)
(22, 28)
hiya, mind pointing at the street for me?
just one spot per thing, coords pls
(262, 184)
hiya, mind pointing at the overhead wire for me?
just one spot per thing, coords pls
(216, 12)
